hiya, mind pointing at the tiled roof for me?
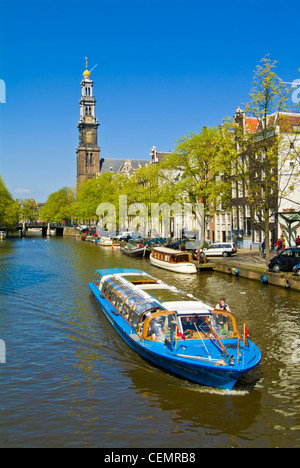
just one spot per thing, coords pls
(287, 122)
(251, 124)
(116, 165)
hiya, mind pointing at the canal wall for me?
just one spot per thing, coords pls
(259, 273)
(71, 232)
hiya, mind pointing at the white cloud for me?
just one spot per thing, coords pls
(21, 191)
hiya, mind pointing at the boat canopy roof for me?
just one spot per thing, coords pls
(120, 271)
(138, 301)
(142, 292)
(166, 250)
(188, 307)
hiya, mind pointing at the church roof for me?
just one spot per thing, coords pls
(121, 165)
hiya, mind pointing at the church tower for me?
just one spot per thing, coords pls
(88, 152)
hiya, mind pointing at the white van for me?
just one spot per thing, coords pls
(225, 249)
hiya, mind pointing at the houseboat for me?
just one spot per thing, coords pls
(175, 330)
(172, 260)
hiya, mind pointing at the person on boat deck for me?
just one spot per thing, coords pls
(222, 305)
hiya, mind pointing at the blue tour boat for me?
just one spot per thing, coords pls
(175, 330)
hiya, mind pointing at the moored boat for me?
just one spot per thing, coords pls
(105, 241)
(175, 330)
(2, 234)
(172, 260)
(136, 250)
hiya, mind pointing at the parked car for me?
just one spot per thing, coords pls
(92, 232)
(136, 237)
(286, 260)
(125, 235)
(81, 227)
(225, 249)
(296, 269)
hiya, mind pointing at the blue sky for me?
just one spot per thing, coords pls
(165, 69)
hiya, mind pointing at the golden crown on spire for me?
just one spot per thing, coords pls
(86, 73)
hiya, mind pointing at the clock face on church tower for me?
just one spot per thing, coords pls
(88, 136)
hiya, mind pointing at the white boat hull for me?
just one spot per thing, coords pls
(106, 242)
(176, 268)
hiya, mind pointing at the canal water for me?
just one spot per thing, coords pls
(68, 379)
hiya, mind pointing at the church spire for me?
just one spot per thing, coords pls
(88, 151)
(86, 73)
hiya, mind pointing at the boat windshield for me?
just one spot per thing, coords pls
(195, 326)
(159, 326)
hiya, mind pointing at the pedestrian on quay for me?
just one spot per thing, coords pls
(222, 305)
(278, 246)
(263, 247)
(298, 241)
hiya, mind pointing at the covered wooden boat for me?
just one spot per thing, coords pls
(172, 260)
(136, 250)
(175, 330)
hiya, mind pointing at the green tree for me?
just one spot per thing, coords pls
(58, 207)
(28, 209)
(9, 208)
(197, 172)
(98, 190)
(264, 159)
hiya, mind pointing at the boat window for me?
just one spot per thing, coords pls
(144, 306)
(184, 258)
(197, 326)
(223, 324)
(158, 327)
(133, 301)
(134, 319)
(117, 302)
(126, 311)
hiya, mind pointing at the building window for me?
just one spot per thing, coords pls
(91, 159)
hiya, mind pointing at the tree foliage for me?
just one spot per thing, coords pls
(9, 208)
(263, 161)
(58, 207)
(28, 209)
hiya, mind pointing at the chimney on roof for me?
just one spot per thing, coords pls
(239, 117)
